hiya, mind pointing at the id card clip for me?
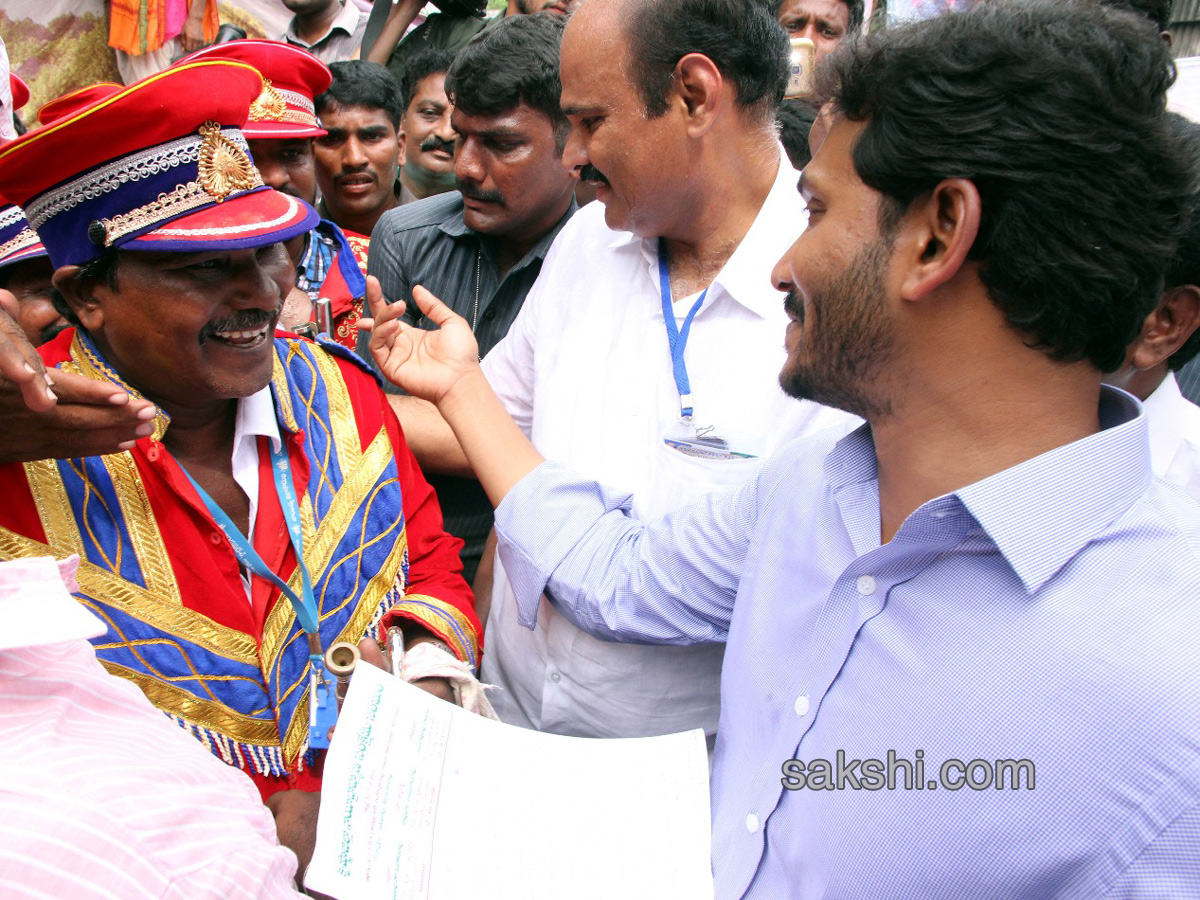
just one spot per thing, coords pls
(322, 704)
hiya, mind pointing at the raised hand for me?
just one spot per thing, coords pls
(59, 415)
(427, 364)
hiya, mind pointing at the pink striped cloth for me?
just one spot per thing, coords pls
(101, 795)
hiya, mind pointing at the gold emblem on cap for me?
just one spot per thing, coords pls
(224, 166)
(268, 105)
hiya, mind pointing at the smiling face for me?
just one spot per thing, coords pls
(428, 137)
(824, 22)
(509, 173)
(188, 330)
(841, 336)
(634, 160)
(357, 162)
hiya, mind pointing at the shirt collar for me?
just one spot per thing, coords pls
(748, 269)
(1042, 512)
(1165, 424)
(347, 21)
(256, 416)
(455, 227)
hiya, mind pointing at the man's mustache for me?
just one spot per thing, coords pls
(433, 142)
(475, 193)
(246, 320)
(794, 305)
(590, 173)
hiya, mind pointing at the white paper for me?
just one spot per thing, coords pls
(421, 799)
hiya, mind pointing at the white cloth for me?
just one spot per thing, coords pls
(1183, 96)
(1174, 436)
(586, 371)
(255, 416)
(100, 794)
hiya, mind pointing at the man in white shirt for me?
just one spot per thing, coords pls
(1170, 338)
(697, 202)
(330, 30)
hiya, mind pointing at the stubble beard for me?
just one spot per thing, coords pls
(847, 340)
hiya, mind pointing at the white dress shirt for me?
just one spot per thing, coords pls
(1174, 436)
(586, 371)
(255, 416)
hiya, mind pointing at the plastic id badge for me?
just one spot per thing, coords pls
(702, 442)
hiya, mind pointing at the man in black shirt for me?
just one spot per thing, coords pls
(481, 247)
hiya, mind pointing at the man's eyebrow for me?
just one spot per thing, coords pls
(579, 110)
(371, 130)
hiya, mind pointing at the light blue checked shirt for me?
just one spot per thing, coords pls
(1049, 613)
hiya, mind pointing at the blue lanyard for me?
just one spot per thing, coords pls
(677, 337)
(306, 606)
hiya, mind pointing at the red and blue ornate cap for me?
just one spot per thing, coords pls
(161, 165)
(17, 240)
(292, 78)
(76, 100)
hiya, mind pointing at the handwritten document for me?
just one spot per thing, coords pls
(422, 799)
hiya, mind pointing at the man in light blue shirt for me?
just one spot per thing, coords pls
(962, 641)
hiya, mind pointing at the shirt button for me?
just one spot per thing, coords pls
(752, 823)
(555, 677)
(489, 315)
(865, 585)
(215, 537)
(154, 450)
(802, 705)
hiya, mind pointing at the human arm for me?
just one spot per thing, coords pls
(77, 417)
(192, 36)
(437, 602)
(399, 18)
(442, 367)
(673, 582)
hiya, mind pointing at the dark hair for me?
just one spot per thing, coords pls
(854, 7)
(1157, 11)
(795, 118)
(513, 62)
(1185, 267)
(741, 37)
(103, 267)
(420, 67)
(1055, 111)
(360, 83)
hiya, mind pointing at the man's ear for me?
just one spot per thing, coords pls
(401, 158)
(936, 235)
(1168, 327)
(79, 294)
(698, 83)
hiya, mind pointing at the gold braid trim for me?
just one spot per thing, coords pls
(143, 604)
(444, 620)
(296, 740)
(54, 509)
(143, 528)
(319, 550)
(197, 711)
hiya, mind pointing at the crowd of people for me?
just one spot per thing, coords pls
(854, 427)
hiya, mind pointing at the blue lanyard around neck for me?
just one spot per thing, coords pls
(306, 605)
(677, 337)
